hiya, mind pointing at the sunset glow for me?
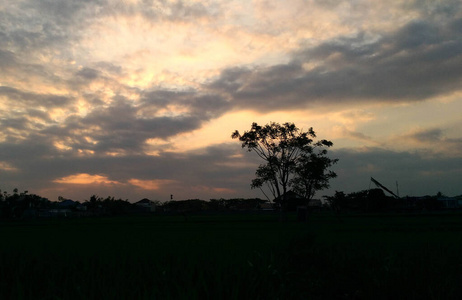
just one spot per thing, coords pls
(85, 179)
(138, 99)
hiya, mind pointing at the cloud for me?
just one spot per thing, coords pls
(184, 174)
(4, 166)
(425, 136)
(435, 140)
(7, 59)
(155, 184)
(15, 96)
(84, 178)
(174, 10)
(31, 25)
(411, 170)
(158, 11)
(346, 133)
(88, 73)
(127, 126)
(415, 62)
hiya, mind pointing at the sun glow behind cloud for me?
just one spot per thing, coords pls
(151, 184)
(84, 178)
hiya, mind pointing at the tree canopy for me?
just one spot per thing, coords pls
(292, 159)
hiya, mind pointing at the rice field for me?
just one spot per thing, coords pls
(241, 256)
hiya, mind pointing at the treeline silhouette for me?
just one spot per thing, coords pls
(375, 200)
(24, 205)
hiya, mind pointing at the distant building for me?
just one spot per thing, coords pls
(146, 205)
(267, 206)
(450, 202)
(59, 212)
(67, 203)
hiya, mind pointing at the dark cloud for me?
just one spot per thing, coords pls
(27, 26)
(39, 114)
(88, 73)
(37, 162)
(417, 173)
(66, 13)
(155, 11)
(109, 67)
(14, 123)
(7, 59)
(435, 138)
(204, 106)
(416, 62)
(31, 25)
(184, 11)
(431, 135)
(37, 100)
(231, 80)
(103, 73)
(126, 126)
(356, 135)
(23, 39)
(16, 67)
(101, 70)
(25, 156)
(22, 125)
(436, 10)
(417, 34)
(330, 4)
(204, 174)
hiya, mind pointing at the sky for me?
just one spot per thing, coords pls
(138, 99)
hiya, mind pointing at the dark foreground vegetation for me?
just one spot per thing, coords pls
(233, 256)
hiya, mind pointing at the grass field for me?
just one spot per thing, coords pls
(233, 257)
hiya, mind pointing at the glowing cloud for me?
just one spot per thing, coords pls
(84, 178)
(203, 188)
(7, 167)
(150, 184)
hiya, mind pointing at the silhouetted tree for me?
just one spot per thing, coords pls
(312, 173)
(217, 204)
(95, 203)
(116, 207)
(373, 200)
(291, 159)
(337, 202)
(15, 205)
